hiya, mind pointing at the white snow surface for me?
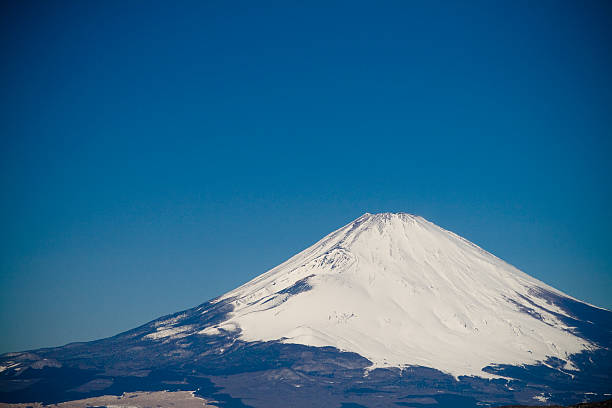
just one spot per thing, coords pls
(401, 291)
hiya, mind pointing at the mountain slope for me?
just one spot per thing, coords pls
(389, 310)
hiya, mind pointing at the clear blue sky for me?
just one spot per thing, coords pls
(155, 155)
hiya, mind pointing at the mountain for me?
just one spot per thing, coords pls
(389, 310)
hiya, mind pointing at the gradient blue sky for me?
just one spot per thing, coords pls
(156, 155)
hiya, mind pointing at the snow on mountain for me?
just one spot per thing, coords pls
(394, 290)
(401, 291)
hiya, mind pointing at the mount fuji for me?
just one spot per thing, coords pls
(389, 310)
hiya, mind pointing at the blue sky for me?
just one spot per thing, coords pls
(154, 156)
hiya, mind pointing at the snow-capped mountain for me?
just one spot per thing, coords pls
(390, 303)
(402, 291)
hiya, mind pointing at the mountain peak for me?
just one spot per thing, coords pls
(404, 216)
(384, 219)
(400, 291)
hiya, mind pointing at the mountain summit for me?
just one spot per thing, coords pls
(401, 291)
(388, 310)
